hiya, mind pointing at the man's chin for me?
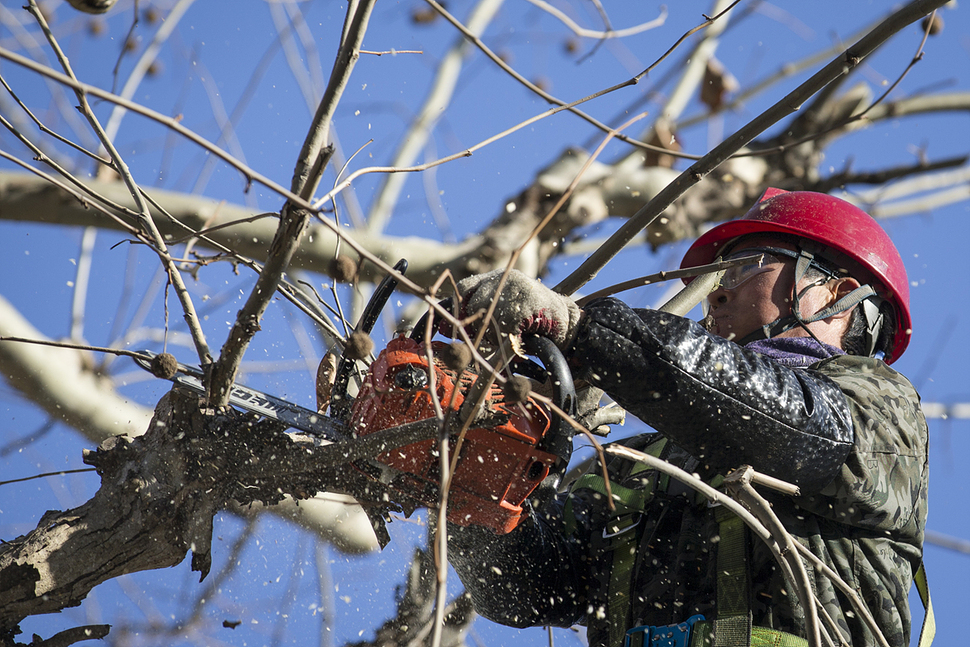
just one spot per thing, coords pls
(723, 330)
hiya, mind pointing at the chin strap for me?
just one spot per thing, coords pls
(864, 294)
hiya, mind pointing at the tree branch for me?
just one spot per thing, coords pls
(840, 66)
(159, 494)
(294, 218)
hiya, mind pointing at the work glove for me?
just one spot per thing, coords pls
(524, 306)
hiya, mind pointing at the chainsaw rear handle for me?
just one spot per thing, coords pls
(559, 440)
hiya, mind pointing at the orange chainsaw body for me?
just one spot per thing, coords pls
(499, 466)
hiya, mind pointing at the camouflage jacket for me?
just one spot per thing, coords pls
(848, 430)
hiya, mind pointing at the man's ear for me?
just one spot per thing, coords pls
(839, 288)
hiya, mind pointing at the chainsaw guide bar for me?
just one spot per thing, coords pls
(263, 404)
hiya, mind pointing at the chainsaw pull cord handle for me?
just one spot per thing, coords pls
(340, 402)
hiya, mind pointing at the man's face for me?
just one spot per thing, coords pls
(762, 298)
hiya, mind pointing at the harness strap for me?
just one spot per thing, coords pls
(620, 539)
(625, 544)
(928, 631)
(732, 627)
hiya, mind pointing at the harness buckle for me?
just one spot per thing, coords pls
(677, 635)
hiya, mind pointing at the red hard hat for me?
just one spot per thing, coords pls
(853, 240)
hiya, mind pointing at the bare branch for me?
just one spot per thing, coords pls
(144, 62)
(834, 70)
(571, 106)
(294, 218)
(438, 98)
(600, 35)
(145, 219)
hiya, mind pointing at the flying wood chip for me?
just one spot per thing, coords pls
(326, 374)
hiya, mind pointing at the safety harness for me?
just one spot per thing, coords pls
(731, 627)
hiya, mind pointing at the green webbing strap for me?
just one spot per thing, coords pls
(760, 637)
(928, 630)
(626, 546)
(620, 538)
(732, 627)
(621, 571)
(627, 498)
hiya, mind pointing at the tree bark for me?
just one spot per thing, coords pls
(160, 491)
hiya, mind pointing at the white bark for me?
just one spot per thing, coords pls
(60, 381)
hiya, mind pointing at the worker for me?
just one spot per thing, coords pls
(788, 373)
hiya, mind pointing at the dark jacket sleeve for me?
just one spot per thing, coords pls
(725, 405)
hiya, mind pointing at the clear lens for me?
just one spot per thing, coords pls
(739, 274)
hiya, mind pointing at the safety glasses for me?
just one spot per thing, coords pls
(739, 274)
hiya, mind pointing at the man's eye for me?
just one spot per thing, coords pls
(738, 275)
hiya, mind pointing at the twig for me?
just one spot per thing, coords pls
(667, 276)
(124, 47)
(887, 175)
(145, 218)
(44, 129)
(840, 66)
(148, 57)
(786, 70)
(40, 476)
(694, 71)
(74, 346)
(850, 593)
(392, 52)
(594, 33)
(739, 481)
(847, 121)
(571, 106)
(309, 168)
(250, 174)
(418, 132)
(18, 443)
(42, 157)
(445, 470)
(92, 199)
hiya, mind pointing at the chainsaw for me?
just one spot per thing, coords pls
(511, 453)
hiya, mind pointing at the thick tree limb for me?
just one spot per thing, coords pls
(159, 494)
(63, 383)
(25, 197)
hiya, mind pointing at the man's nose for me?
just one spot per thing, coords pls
(720, 296)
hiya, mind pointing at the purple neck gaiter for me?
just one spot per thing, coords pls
(794, 351)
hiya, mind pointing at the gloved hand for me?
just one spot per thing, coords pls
(524, 306)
